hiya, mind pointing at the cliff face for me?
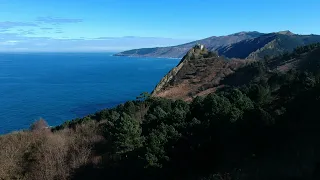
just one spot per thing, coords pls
(198, 73)
(166, 80)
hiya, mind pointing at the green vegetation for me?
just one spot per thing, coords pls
(264, 128)
(283, 44)
(272, 45)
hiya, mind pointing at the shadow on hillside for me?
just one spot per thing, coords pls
(312, 62)
(125, 166)
(245, 75)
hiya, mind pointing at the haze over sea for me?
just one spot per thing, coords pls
(63, 86)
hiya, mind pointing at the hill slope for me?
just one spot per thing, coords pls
(198, 73)
(200, 76)
(272, 44)
(180, 50)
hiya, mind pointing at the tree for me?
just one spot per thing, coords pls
(217, 109)
(267, 57)
(39, 125)
(159, 143)
(127, 134)
(129, 108)
(240, 100)
(143, 96)
(260, 94)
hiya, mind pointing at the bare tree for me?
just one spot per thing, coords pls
(39, 125)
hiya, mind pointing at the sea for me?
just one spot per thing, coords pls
(63, 86)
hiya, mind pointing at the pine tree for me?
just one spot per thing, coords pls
(127, 134)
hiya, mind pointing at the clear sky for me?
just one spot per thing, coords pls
(99, 25)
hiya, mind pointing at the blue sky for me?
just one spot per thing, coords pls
(115, 25)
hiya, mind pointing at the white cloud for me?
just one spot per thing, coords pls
(40, 44)
(9, 43)
(18, 42)
(55, 20)
(10, 24)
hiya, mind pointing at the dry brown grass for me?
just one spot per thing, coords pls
(176, 92)
(199, 77)
(47, 156)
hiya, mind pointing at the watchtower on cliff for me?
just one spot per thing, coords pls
(199, 46)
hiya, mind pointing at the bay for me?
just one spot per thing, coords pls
(64, 86)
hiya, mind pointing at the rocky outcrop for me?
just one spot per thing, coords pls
(194, 53)
(167, 78)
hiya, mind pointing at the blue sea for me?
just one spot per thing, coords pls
(64, 86)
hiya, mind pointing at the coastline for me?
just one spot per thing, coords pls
(158, 57)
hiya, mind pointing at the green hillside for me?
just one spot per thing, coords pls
(284, 44)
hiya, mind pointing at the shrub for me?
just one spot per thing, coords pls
(39, 125)
(49, 156)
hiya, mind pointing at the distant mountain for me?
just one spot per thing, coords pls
(272, 44)
(179, 51)
(250, 45)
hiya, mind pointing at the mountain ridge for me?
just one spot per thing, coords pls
(179, 51)
(245, 44)
(272, 45)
